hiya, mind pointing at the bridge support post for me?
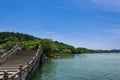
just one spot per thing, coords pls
(5, 77)
(0, 56)
(20, 68)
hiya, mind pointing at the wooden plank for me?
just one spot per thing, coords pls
(9, 73)
(2, 70)
(12, 64)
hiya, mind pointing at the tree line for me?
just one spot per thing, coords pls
(50, 48)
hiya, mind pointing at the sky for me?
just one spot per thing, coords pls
(94, 24)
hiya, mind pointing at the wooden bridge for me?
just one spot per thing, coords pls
(20, 65)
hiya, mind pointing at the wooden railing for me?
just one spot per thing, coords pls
(24, 71)
(11, 52)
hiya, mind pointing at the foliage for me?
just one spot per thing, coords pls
(50, 48)
(29, 43)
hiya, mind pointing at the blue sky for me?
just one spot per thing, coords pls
(93, 24)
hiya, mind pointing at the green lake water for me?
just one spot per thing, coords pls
(105, 66)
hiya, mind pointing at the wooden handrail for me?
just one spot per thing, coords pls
(11, 52)
(29, 66)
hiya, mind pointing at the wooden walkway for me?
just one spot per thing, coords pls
(19, 65)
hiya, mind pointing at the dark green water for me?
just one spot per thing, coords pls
(81, 67)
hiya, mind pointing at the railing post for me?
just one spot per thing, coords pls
(20, 68)
(0, 56)
(5, 77)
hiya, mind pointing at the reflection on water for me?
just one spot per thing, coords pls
(67, 56)
(81, 67)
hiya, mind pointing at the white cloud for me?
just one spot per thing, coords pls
(105, 18)
(52, 35)
(70, 5)
(113, 29)
(113, 5)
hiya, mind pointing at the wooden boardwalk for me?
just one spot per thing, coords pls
(19, 65)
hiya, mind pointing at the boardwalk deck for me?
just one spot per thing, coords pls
(12, 64)
(18, 65)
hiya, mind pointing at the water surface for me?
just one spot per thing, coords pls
(105, 66)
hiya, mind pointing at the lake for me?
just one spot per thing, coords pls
(102, 66)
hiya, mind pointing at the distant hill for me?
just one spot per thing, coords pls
(11, 36)
(51, 48)
(29, 42)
